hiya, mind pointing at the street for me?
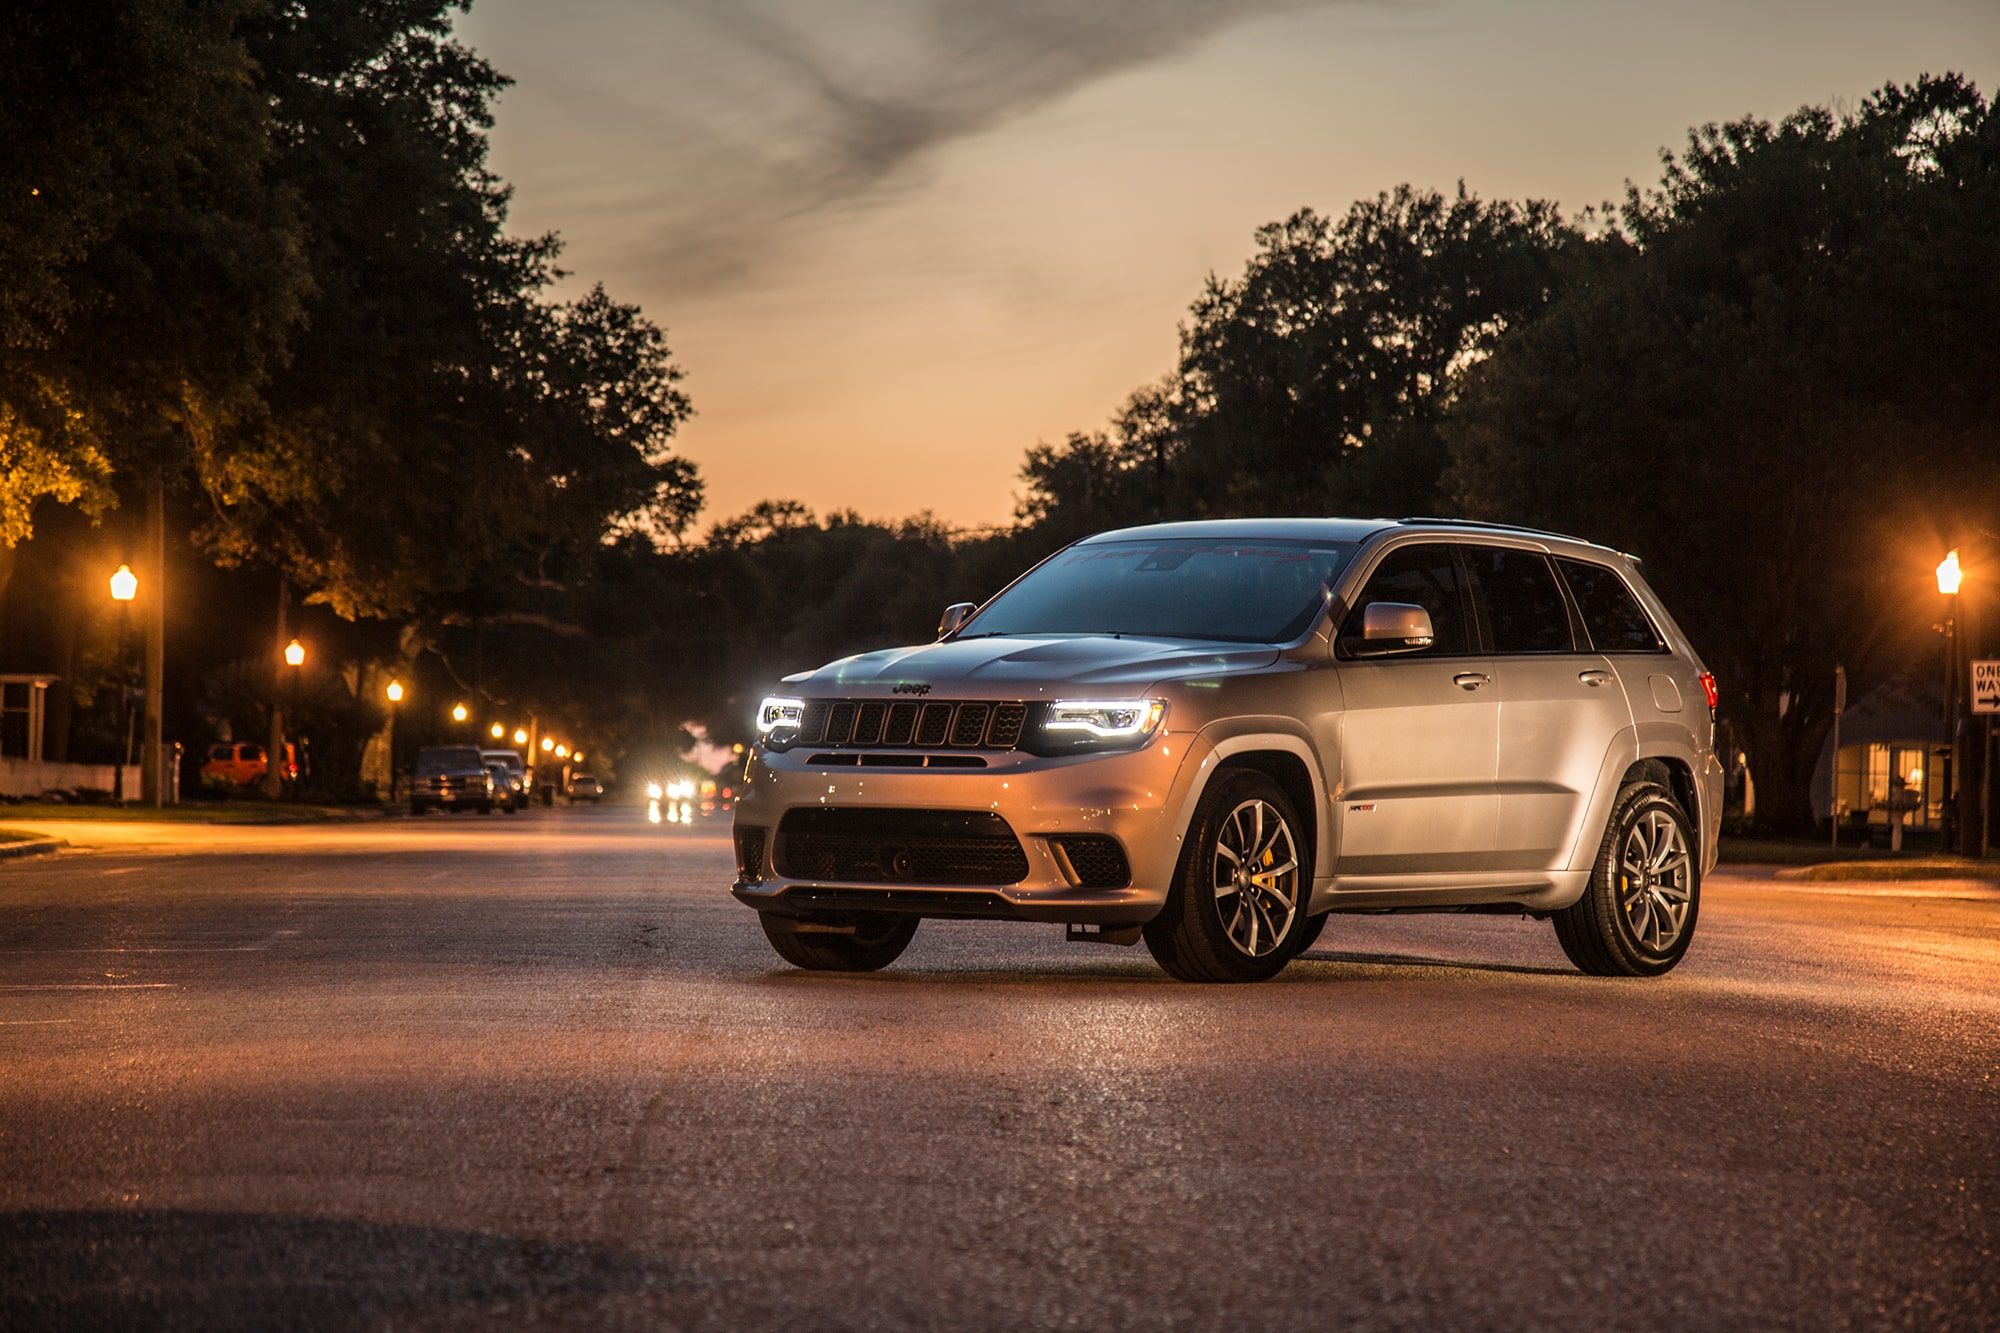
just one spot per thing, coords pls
(459, 1070)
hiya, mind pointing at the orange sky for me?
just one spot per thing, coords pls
(896, 242)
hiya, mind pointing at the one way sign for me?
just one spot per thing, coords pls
(1986, 686)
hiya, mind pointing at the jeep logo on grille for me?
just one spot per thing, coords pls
(910, 687)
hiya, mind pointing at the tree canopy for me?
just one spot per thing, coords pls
(1777, 381)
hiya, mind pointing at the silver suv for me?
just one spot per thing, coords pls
(1214, 735)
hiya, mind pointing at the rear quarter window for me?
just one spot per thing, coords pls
(1612, 615)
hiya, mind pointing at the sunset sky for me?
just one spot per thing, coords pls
(896, 242)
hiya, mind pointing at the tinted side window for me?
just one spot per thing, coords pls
(1425, 576)
(1523, 603)
(1616, 621)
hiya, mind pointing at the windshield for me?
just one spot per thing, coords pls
(451, 757)
(1262, 591)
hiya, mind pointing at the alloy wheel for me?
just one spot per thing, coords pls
(1655, 881)
(1256, 877)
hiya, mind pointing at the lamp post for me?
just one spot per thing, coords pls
(498, 731)
(1949, 577)
(393, 692)
(274, 756)
(124, 587)
(459, 712)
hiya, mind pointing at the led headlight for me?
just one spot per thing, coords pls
(1097, 724)
(779, 714)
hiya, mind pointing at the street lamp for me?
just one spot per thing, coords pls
(295, 654)
(394, 691)
(1949, 577)
(548, 743)
(497, 731)
(562, 752)
(1949, 574)
(124, 587)
(520, 735)
(459, 712)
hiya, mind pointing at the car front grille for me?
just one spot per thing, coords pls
(899, 847)
(971, 724)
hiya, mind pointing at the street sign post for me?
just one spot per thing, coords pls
(1833, 769)
(1986, 699)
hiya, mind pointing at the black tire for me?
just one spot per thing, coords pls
(512, 808)
(417, 809)
(1599, 932)
(486, 808)
(876, 941)
(1310, 935)
(1190, 938)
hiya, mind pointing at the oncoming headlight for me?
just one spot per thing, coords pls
(779, 714)
(1098, 724)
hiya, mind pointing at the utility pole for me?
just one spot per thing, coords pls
(152, 754)
(274, 766)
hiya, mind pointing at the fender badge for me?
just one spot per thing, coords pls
(1361, 809)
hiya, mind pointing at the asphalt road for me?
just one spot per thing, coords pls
(544, 1070)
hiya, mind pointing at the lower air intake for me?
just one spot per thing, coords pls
(899, 847)
(1096, 858)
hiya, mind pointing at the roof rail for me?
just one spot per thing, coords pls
(1497, 527)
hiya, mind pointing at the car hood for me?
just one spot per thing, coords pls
(1025, 668)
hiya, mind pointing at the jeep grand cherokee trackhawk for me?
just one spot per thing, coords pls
(1214, 735)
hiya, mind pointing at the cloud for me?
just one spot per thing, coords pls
(834, 103)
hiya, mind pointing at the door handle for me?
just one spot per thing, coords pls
(1471, 680)
(1594, 677)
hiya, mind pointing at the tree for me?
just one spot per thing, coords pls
(148, 262)
(440, 434)
(1313, 382)
(1777, 383)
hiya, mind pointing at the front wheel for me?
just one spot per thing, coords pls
(1236, 911)
(870, 944)
(1637, 917)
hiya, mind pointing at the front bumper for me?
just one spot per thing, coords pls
(1136, 797)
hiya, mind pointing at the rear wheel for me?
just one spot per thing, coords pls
(1638, 915)
(1236, 911)
(867, 943)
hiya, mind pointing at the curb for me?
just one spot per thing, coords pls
(35, 847)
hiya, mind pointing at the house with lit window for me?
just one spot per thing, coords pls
(1891, 765)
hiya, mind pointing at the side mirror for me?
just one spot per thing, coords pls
(1392, 627)
(955, 615)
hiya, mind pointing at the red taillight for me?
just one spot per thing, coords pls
(1708, 688)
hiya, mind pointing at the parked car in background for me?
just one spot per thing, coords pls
(243, 764)
(584, 787)
(451, 777)
(510, 778)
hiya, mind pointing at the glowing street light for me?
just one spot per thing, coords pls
(1949, 574)
(562, 752)
(295, 654)
(520, 735)
(497, 731)
(577, 755)
(124, 584)
(459, 712)
(548, 743)
(394, 692)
